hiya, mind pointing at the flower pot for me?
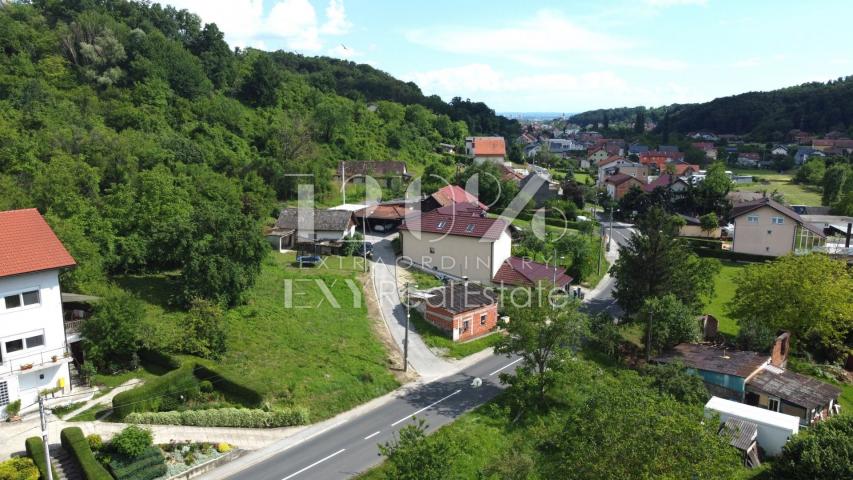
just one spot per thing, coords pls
(27, 366)
(54, 358)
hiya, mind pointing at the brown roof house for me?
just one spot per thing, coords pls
(766, 227)
(386, 172)
(448, 195)
(463, 310)
(521, 272)
(482, 149)
(309, 226)
(758, 379)
(618, 185)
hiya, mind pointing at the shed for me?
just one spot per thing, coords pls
(774, 429)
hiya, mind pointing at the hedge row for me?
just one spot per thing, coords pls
(75, 443)
(233, 391)
(151, 464)
(153, 392)
(558, 222)
(224, 417)
(35, 450)
(727, 254)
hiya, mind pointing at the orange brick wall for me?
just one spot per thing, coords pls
(434, 315)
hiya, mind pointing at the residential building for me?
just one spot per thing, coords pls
(620, 184)
(522, 272)
(748, 160)
(758, 379)
(779, 150)
(637, 149)
(707, 147)
(34, 353)
(559, 146)
(464, 310)
(659, 159)
(766, 227)
(672, 183)
(668, 148)
(547, 190)
(320, 228)
(704, 135)
(693, 228)
(769, 430)
(486, 149)
(620, 165)
(383, 217)
(841, 145)
(448, 195)
(596, 155)
(458, 240)
(387, 173)
(805, 153)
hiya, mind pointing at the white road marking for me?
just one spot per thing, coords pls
(506, 366)
(314, 464)
(407, 417)
(372, 435)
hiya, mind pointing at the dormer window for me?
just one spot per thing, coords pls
(470, 228)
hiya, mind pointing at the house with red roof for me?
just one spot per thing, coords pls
(522, 272)
(482, 149)
(660, 159)
(707, 147)
(457, 240)
(464, 310)
(34, 351)
(449, 195)
(620, 184)
(672, 183)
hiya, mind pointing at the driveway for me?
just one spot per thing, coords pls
(385, 284)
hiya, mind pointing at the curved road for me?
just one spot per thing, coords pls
(349, 448)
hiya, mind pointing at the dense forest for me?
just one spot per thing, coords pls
(151, 146)
(620, 115)
(813, 107)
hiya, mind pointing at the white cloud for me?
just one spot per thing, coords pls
(245, 23)
(548, 32)
(343, 51)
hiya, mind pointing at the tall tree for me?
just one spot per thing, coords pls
(668, 323)
(414, 456)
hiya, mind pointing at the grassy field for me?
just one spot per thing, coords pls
(438, 339)
(581, 177)
(794, 193)
(311, 353)
(424, 280)
(724, 291)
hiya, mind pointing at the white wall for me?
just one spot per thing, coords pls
(45, 319)
(457, 255)
(501, 250)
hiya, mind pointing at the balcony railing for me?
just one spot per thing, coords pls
(74, 326)
(35, 361)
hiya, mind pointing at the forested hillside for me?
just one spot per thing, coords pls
(152, 146)
(813, 107)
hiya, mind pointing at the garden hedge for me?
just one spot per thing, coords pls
(35, 450)
(75, 443)
(19, 468)
(224, 417)
(151, 464)
(715, 252)
(159, 359)
(233, 391)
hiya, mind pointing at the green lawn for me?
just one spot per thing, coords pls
(423, 279)
(724, 291)
(581, 177)
(309, 353)
(794, 193)
(438, 339)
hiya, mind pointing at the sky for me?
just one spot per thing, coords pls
(558, 56)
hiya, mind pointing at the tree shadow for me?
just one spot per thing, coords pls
(156, 289)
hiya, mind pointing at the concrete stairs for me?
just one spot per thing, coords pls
(66, 468)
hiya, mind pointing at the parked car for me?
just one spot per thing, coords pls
(308, 260)
(365, 247)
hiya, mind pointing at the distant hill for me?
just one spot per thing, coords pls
(814, 107)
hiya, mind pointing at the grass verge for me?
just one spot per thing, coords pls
(436, 338)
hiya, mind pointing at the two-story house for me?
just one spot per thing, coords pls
(766, 227)
(486, 149)
(33, 349)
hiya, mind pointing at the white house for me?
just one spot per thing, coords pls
(33, 347)
(458, 240)
(311, 226)
(482, 149)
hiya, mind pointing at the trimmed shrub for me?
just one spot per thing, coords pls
(148, 465)
(223, 447)
(77, 446)
(153, 393)
(132, 441)
(233, 391)
(19, 468)
(224, 417)
(95, 442)
(35, 450)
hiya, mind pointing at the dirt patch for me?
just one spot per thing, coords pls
(394, 355)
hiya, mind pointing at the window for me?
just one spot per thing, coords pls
(15, 345)
(4, 394)
(12, 301)
(35, 341)
(469, 228)
(773, 404)
(778, 221)
(465, 325)
(752, 219)
(431, 250)
(31, 297)
(483, 318)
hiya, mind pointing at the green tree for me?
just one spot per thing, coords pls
(709, 223)
(203, 332)
(823, 452)
(260, 88)
(672, 322)
(811, 172)
(112, 336)
(674, 379)
(543, 332)
(713, 190)
(837, 180)
(493, 191)
(809, 295)
(414, 456)
(844, 206)
(656, 262)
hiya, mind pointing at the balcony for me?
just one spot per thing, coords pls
(34, 362)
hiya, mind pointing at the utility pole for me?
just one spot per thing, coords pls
(43, 417)
(555, 266)
(649, 339)
(610, 236)
(344, 180)
(364, 236)
(406, 338)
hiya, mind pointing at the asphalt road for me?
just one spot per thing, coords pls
(352, 447)
(604, 301)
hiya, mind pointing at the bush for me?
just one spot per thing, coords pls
(19, 468)
(76, 445)
(153, 393)
(233, 391)
(96, 443)
(13, 408)
(204, 330)
(112, 335)
(35, 450)
(822, 452)
(146, 466)
(224, 417)
(223, 447)
(132, 441)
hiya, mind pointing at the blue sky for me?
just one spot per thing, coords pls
(564, 56)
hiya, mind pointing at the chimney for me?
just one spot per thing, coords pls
(779, 353)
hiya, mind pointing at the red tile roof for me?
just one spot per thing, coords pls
(620, 178)
(523, 272)
(456, 194)
(746, 207)
(489, 146)
(463, 225)
(662, 181)
(27, 244)
(680, 168)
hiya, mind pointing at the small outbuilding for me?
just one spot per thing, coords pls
(463, 310)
